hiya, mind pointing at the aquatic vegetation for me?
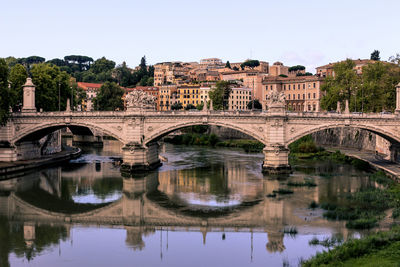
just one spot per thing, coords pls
(357, 252)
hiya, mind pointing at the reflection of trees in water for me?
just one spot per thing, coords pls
(13, 240)
(41, 199)
(101, 188)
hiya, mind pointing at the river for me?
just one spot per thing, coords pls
(203, 207)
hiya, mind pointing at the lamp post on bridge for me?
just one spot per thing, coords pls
(397, 111)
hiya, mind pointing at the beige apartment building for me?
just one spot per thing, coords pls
(239, 98)
(249, 79)
(170, 73)
(302, 93)
(189, 94)
(167, 97)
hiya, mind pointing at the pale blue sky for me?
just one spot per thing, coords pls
(306, 32)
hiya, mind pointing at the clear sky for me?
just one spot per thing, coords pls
(306, 32)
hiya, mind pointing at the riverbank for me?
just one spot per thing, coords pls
(391, 169)
(12, 169)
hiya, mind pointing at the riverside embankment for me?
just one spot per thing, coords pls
(10, 169)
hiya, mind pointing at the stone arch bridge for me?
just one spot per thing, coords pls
(140, 130)
(139, 127)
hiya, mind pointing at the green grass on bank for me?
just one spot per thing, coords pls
(213, 140)
(379, 249)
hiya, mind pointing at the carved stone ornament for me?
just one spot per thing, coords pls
(17, 128)
(150, 129)
(119, 128)
(275, 97)
(138, 99)
(260, 129)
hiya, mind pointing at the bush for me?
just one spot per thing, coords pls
(313, 205)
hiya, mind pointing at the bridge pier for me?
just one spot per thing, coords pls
(136, 157)
(276, 160)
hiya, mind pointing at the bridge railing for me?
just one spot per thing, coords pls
(62, 114)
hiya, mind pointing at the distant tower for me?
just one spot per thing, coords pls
(29, 96)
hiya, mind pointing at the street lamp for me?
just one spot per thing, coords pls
(362, 98)
(59, 96)
(252, 96)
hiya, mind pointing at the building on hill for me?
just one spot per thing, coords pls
(91, 90)
(303, 93)
(239, 98)
(263, 67)
(171, 73)
(189, 94)
(327, 70)
(278, 69)
(249, 79)
(167, 96)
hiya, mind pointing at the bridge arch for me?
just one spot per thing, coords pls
(38, 131)
(159, 133)
(380, 131)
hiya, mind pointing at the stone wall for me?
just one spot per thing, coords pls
(352, 138)
(347, 138)
(227, 133)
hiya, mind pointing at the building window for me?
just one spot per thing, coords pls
(314, 85)
(298, 96)
(289, 86)
(309, 95)
(314, 95)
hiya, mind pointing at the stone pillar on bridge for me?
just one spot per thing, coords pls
(394, 152)
(397, 111)
(29, 96)
(137, 157)
(275, 152)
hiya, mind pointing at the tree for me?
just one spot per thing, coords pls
(124, 75)
(228, 65)
(340, 87)
(251, 63)
(375, 55)
(4, 93)
(200, 106)
(83, 62)
(190, 106)
(376, 91)
(11, 61)
(220, 95)
(257, 104)
(102, 65)
(176, 106)
(52, 87)
(395, 59)
(142, 65)
(17, 79)
(235, 68)
(297, 68)
(109, 97)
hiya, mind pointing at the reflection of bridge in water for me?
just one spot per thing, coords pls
(147, 205)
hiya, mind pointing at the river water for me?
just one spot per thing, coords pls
(203, 207)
